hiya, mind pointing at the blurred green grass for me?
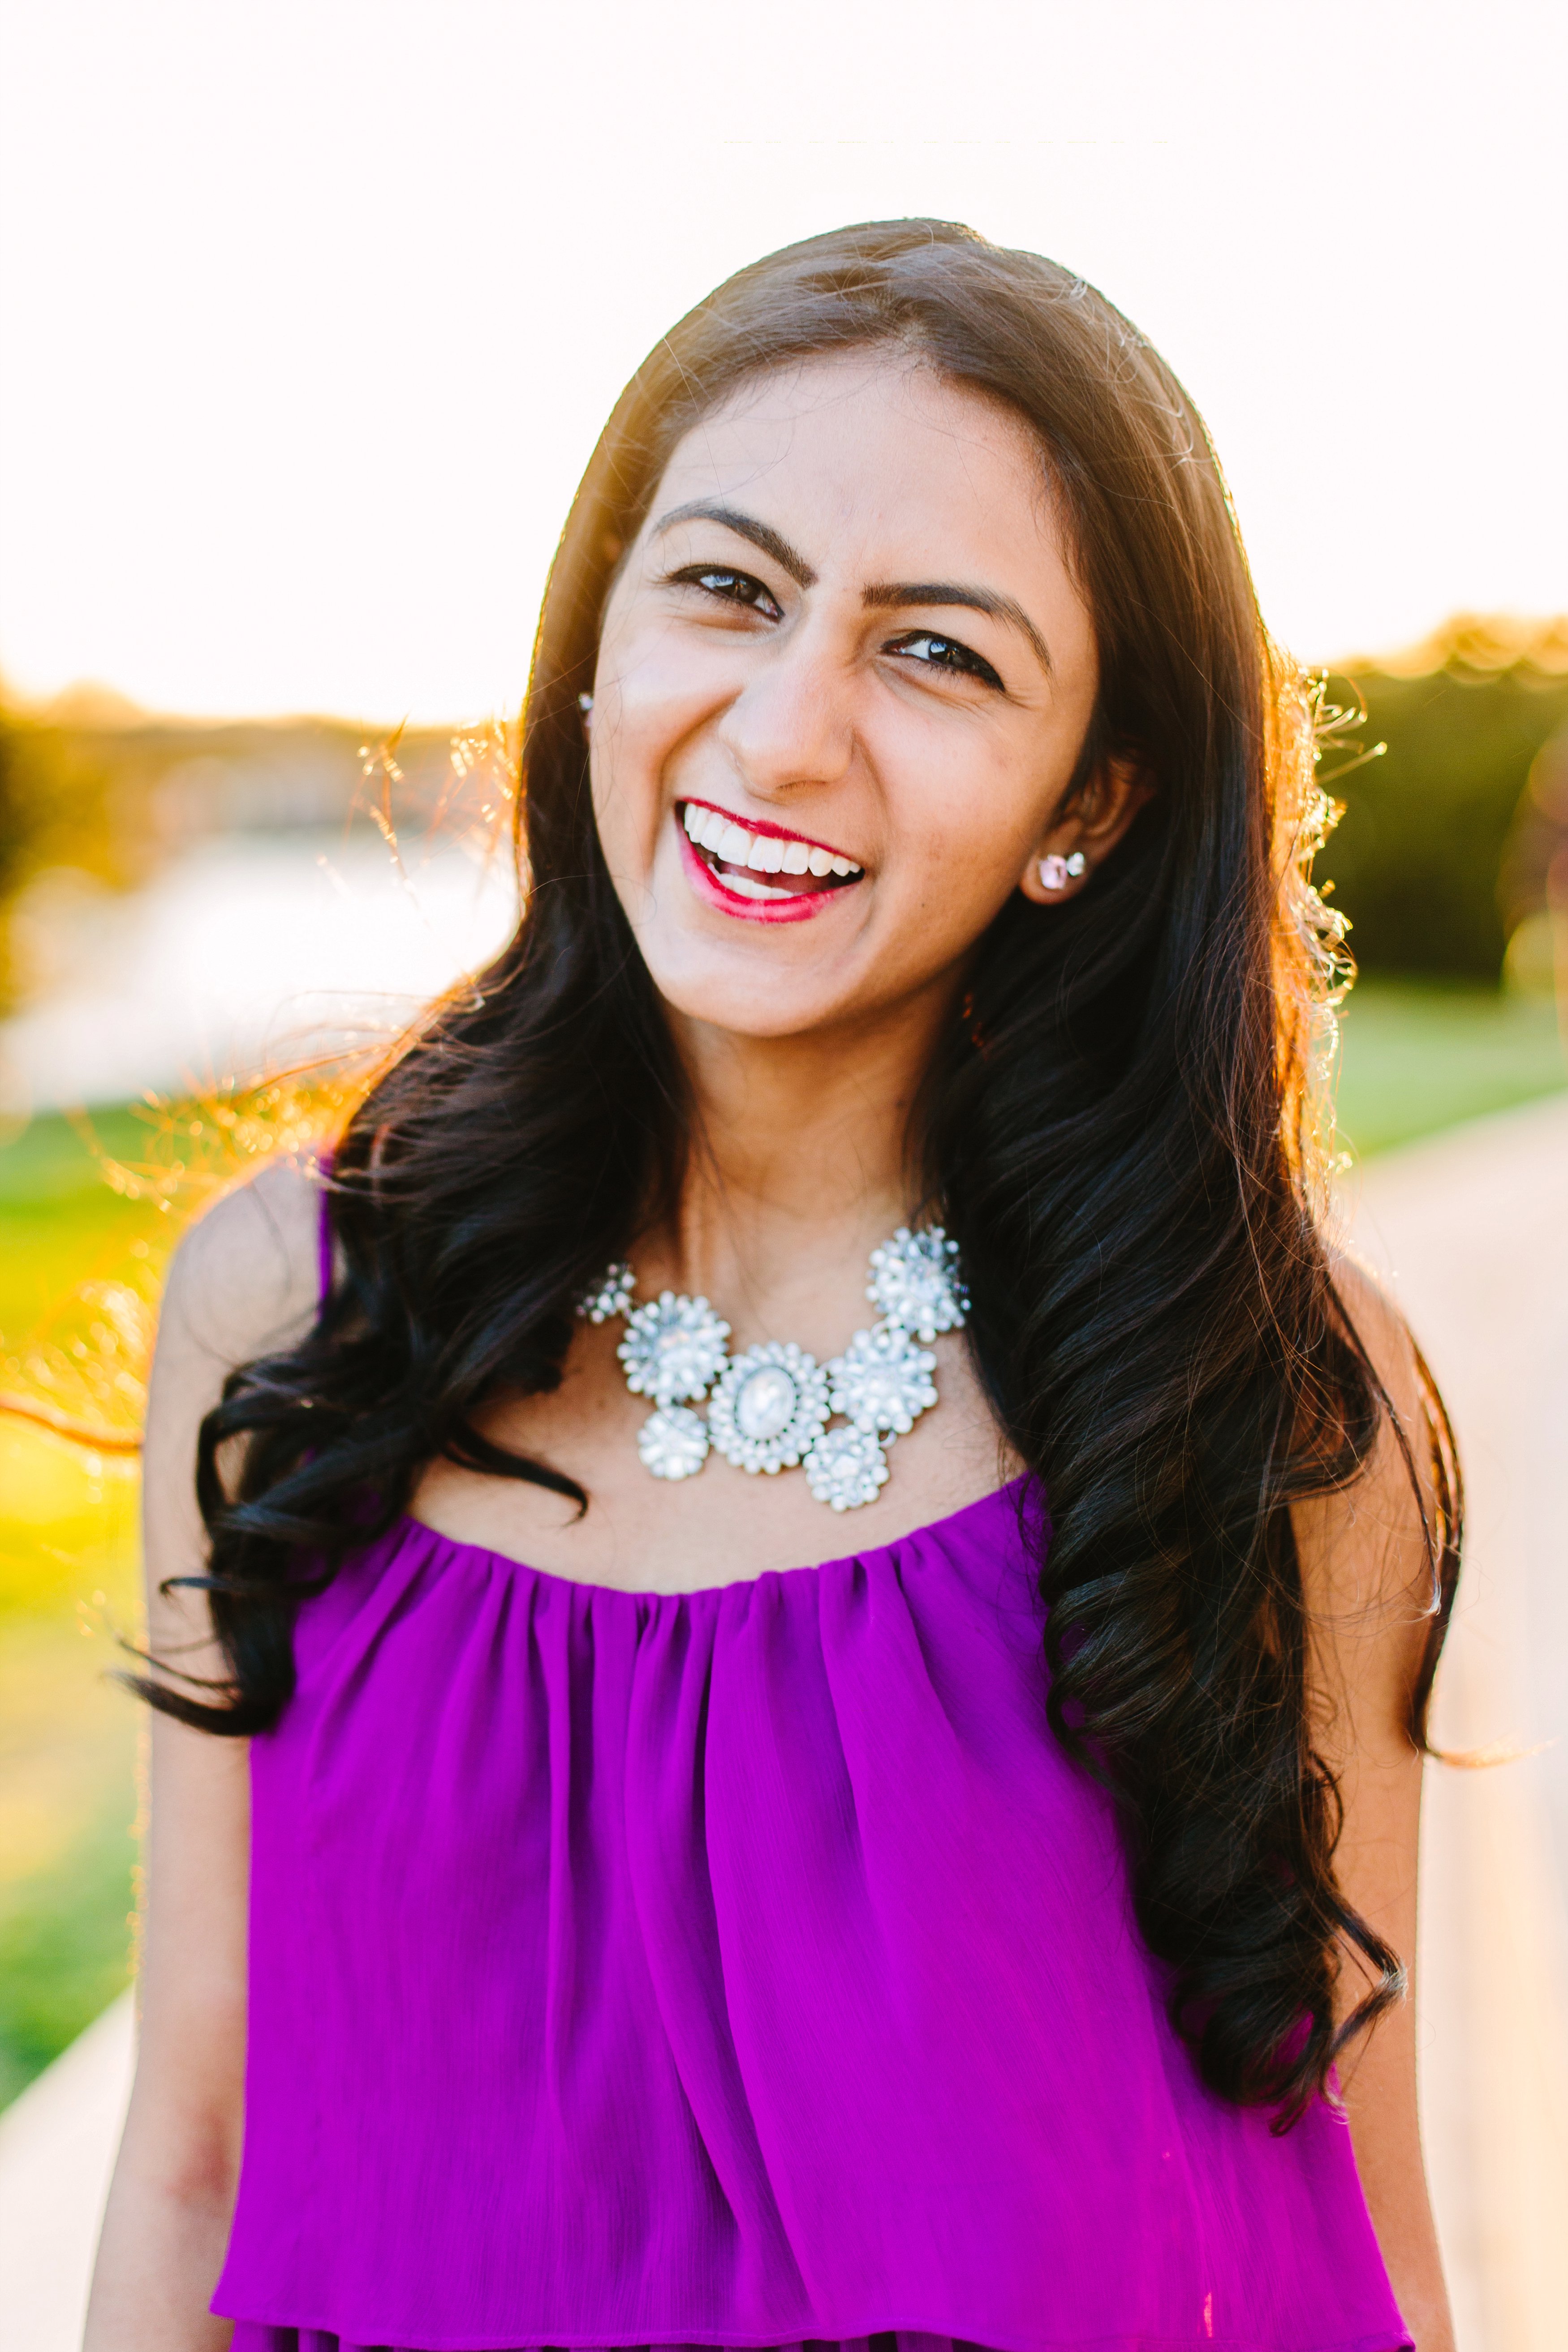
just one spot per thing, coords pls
(1420, 1056)
(1416, 1058)
(68, 1582)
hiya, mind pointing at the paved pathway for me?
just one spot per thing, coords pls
(57, 2150)
(1474, 1229)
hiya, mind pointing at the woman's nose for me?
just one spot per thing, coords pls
(792, 722)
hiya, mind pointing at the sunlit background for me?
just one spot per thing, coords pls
(313, 312)
(310, 317)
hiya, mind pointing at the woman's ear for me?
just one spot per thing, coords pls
(1081, 834)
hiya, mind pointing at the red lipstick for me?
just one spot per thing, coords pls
(800, 906)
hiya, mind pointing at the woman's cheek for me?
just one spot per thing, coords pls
(668, 676)
(631, 736)
(968, 836)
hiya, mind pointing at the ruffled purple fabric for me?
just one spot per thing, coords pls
(743, 1967)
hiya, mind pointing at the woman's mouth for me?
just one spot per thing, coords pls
(758, 870)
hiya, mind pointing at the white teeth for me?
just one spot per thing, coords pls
(761, 853)
(751, 885)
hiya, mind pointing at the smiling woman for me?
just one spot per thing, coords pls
(826, 670)
(658, 1934)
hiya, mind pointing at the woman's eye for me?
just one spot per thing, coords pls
(732, 587)
(945, 653)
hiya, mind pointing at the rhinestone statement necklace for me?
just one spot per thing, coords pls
(769, 1409)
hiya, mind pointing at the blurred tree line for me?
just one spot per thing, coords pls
(1447, 837)
(54, 812)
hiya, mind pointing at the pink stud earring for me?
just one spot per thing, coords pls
(1056, 873)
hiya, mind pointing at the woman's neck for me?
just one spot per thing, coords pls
(800, 1165)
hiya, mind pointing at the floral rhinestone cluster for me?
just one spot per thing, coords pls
(773, 1408)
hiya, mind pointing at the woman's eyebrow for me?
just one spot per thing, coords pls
(882, 595)
(745, 526)
(887, 596)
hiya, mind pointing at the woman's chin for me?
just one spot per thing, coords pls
(758, 979)
(762, 1012)
(847, 963)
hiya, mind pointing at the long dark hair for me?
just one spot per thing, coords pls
(1118, 1126)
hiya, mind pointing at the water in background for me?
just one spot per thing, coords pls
(249, 952)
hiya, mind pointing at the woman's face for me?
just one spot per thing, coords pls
(843, 680)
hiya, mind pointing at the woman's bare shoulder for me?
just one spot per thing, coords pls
(1367, 1550)
(245, 1276)
(1375, 1317)
(243, 1284)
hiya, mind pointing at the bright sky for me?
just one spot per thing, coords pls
(313, 310)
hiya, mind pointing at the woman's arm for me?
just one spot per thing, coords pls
(242, 1279)
(1368, 1582)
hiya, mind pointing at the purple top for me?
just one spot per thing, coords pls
(732, 1967)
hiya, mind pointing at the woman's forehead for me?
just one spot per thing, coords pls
(870, 450)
